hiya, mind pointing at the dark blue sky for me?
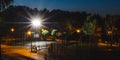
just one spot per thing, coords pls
(94, 6)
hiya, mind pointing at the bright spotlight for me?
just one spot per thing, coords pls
(36, 22)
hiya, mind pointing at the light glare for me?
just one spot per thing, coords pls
(36, 22)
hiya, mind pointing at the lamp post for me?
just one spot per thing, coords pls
(36, 23)
(29, 34)
(78, 32)
(109, 32)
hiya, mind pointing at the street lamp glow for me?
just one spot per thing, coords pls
(109, 32)
(78, 30)
(12, 30)
(29, 32)
(36, 22)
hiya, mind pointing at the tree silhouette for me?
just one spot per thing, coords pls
(4, 4)
(59, 19)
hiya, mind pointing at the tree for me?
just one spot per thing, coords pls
(89, 27)
(4, 4)
(45, 33)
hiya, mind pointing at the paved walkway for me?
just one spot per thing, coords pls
(22, 53)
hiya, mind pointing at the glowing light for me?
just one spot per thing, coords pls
(12, 29)
(78, 30)
(29, 32)
(36, 22)
(109, 32)
(43, 30)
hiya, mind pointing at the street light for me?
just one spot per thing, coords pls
(78, 30)
(109, 32)
(29, 33)
(36, 23)
(12, 29)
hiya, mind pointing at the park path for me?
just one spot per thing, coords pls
(19, 52)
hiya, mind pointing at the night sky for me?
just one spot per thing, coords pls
(102, 7)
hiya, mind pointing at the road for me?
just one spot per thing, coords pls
(23, 52)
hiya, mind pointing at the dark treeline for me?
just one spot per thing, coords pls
(59, 19)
